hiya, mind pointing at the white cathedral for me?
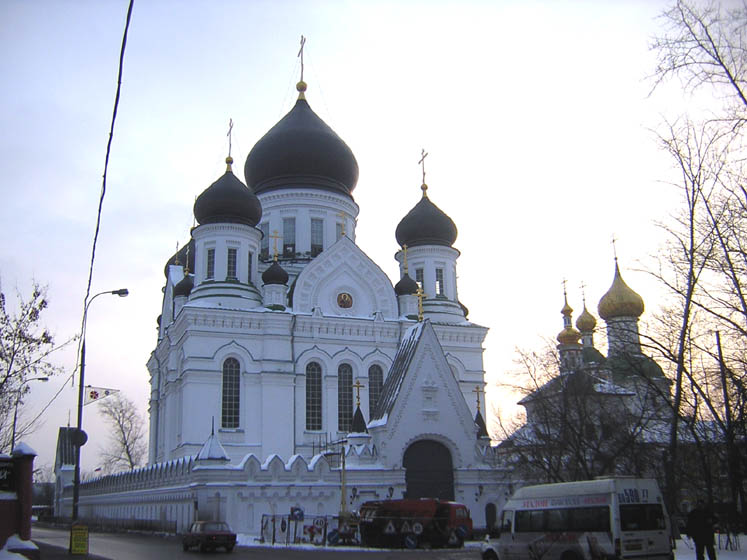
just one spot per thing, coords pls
(282, 346)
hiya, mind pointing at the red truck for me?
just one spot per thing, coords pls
(413, 523)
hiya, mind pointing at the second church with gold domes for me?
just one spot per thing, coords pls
(598, 415)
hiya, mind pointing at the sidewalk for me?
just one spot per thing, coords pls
(51, 552)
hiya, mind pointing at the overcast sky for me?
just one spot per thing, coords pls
(536, 116)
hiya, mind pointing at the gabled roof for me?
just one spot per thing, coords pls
(65, 448)
(396, 374)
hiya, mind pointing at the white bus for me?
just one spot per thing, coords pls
(602, 519)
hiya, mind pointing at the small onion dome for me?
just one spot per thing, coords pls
(228, 200)
(569, 335)
(301, 150)
(275, 274)
(426, 224)
(184, 256)
(184, 287)
(620, 300)
(359, 423)
(586, 321)
(406, 286)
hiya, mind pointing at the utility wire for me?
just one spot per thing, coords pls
(101, 204)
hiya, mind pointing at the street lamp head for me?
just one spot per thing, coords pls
(124, 292)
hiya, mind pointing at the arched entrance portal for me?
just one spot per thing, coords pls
(429, 472)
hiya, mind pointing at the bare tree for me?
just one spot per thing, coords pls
(704, 264)
(25, 350)
(705, 45)
(126, 449)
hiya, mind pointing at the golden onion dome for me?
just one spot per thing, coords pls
(620, 300)
(586, 321)
(569, 335)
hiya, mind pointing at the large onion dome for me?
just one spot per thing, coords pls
(228, 200)
(620, 300)
(586, 321)
(275, 275)
(426, 224)
(301, 150)
(406, 286)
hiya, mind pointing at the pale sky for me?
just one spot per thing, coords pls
(536, 116)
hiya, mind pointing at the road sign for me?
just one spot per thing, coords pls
(79, 539)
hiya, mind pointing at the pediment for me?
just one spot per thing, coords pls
(344, 281)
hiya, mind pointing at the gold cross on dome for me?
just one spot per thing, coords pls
(404, 257)
(614, 246)
(478, 391)
(423, 155)
(358, 386)
(230, 129)
(300, 54)
(275, 236)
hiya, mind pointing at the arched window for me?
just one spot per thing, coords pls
(231, 393)
(375, 383)
(344, 397)
(313, 396)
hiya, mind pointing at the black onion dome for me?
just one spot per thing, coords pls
(184, 288)
(301, 150)
(185, 255)
(275, 275)
(426, 224)
(228, 200)
(406, 286)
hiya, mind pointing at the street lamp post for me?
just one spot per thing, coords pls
(15, 410)
(80, 437)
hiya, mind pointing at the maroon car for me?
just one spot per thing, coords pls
(209, 535)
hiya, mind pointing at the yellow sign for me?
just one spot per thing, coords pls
(79, 539)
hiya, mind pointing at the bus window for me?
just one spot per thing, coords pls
(591, 519)
(642, 517)
(557, 520)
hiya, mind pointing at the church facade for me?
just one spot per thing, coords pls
(287, 361)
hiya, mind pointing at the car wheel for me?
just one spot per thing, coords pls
(203, 547)
(229, 548)
(489, 555)
(185, 546)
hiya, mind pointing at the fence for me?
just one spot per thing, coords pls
(283, 529)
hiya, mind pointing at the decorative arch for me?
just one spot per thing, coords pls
(344, 269)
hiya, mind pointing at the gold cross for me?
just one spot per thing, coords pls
(176, 260)
(342, 215)
(275, 236)
(583, 292)
(424, 155)
(230, 128)
(300, 54)
(420, 294)
(358, 386)
(478, 391)
(614, 246)
(404, 258)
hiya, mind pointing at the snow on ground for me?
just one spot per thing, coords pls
(15, 543)
(685, 549)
